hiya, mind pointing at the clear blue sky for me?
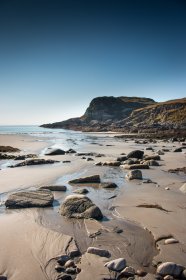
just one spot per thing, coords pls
(55, 56)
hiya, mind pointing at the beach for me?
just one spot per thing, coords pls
(147, 212)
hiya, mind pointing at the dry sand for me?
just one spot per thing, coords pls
(31, 238)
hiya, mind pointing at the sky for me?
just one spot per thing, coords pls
(57, 55)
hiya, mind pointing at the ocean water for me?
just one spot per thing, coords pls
(58, 138)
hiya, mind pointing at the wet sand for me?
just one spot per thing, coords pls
(34, 237)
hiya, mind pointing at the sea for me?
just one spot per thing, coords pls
(59, 138)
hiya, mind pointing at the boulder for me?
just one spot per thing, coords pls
(63, 259)
(80, 206)
(34, 162)
(170, 268)
(108, 185)
(183, 188)
(134, 174)
(99, 252)
(136, 166)
(39, 198)
(136, 154)
(55, 152)
(116, 265)
(86, 180)
(54, 188)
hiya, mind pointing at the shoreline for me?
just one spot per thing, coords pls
(128, 196)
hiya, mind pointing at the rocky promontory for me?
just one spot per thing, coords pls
(129, 115)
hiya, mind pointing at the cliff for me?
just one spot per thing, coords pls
(128, 114)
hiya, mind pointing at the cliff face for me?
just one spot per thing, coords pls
(103, 111)
(128, 114)
(165, 115)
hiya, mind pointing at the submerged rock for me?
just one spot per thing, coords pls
(80, 206)
(54, 188)
(112, 163)
(88, 179)
(34, 162)
(39, 198)
(152, 157)
(55, 152)
(134, 174)
(170, 268)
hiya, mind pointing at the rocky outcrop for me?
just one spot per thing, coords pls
(129, 114)
(103, 111)
(39, 198)
(80, 206)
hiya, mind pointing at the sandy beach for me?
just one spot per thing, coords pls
(31, 239)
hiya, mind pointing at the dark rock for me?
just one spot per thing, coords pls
(70, 151)
(65, 277)
(23, 157)
(54, 188)
(88, 179)
(39, 198)
(6, 156)
(8, 149)
(123, 158)
(3, 277)
(63, 259)
(55, 152)
(136, 154)
(66, 161)
(134, 174)
(90, 159)
(178, 150)
(34, 162)
(127, 272)
(71, 270)
(108, 185)
(99, 252)
(80, 206)
(112, 163)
